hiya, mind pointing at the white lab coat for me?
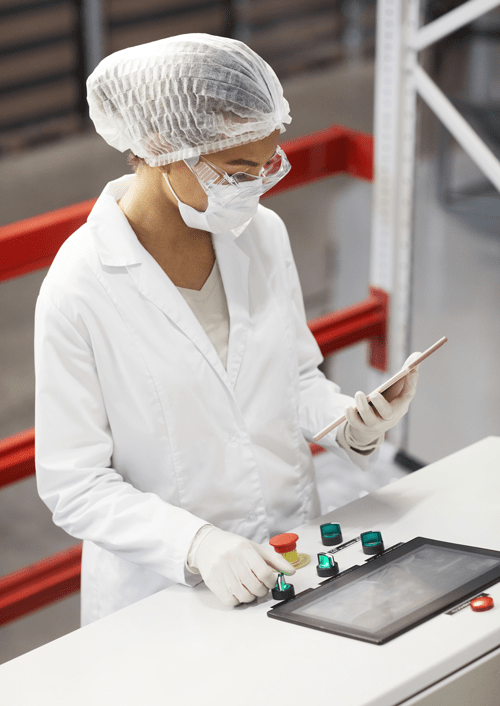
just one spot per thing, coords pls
(142, 436)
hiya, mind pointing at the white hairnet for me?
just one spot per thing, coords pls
(184, 96)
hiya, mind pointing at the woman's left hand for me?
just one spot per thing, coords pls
(368, 421)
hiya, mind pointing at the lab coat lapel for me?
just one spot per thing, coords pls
(118, 246)
(159, 289)
(234, 266)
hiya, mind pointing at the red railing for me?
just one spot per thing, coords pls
(31, 244)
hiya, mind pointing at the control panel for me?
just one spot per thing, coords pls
(392, 591)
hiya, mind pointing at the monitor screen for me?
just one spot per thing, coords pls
(394, 592)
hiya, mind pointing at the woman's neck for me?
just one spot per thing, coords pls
(185, 254)
(152, 214)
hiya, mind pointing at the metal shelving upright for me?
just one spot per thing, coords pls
(399, 79)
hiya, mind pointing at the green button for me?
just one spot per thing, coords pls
(325, 561)
(330, 529)
(281, 584)
(371, 539)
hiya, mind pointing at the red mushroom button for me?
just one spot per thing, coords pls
(284, 543)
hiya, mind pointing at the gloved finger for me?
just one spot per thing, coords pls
(256, 572)
(410, 360)
(257, 578)
(259, 589)
(382, 406)
(246, 596)
(394, 390)
(353, 418)
(223, 590)
(227, 598)
(242, 586)
(409, 388)
(274, 560)
(366, 412)
(411, 381)
(400, 389)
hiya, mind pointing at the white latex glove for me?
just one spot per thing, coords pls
(366, 427)
(236, 569)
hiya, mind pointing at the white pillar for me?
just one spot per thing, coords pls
(392, 213)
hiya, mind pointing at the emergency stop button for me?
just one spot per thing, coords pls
(286, 545)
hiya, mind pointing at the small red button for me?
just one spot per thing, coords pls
(482, 603)
(284, 543)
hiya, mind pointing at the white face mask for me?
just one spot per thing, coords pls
(219, 219)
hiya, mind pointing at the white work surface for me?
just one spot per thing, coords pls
(182, 646)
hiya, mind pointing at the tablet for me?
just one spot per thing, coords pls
(395, 591)
(387, 384)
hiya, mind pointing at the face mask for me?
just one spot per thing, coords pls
(219, 219)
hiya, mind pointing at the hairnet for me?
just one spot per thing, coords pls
(184, 96)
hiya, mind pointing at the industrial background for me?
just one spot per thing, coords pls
(323, 51)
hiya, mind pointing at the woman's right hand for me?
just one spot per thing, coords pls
(236, 569)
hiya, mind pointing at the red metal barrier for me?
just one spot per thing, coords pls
(38, 585)
(31, 244)
(364, 320)
(17, 457)
(336, 150)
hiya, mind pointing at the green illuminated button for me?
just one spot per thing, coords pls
(281, 584)
(372, 542)
(327, 566)
(283, 591)
(331, 534)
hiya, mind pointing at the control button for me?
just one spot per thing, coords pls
(481, 604)
(372, 542)
(283, 591)
(285, 544)
(330, 534)
(327, 566)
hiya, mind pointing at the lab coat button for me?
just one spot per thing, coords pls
(233, 441)
(251, 517)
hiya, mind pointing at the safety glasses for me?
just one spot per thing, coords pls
(223, 187)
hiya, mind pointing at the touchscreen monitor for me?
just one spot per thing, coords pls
(394, 592)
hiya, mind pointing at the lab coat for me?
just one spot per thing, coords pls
(142, 436)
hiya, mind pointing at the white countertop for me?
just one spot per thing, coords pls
(182, 646)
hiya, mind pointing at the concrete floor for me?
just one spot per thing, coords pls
(457, 293)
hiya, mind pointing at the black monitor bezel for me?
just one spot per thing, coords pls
(284, 610)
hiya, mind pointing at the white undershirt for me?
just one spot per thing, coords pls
(209, 305)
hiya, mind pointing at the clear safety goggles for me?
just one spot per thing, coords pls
(223, 187)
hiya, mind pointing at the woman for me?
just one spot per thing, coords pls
(177, 380)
